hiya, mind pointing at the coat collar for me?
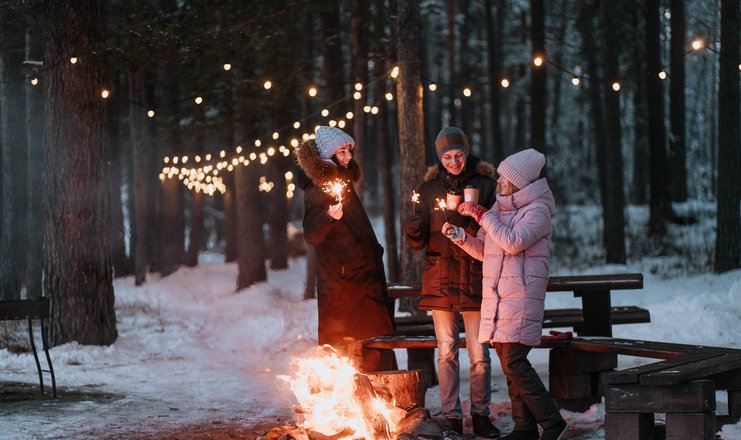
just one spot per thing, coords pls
(319, 170)
(474, 166)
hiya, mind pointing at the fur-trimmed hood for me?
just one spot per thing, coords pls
(318, 170)
(479, 167)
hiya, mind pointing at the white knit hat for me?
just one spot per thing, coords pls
(522, 168)
(330, 139)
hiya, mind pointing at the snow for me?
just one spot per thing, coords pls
(194, 356)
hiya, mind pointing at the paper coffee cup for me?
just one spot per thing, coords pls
(453, 200)
(471, 195)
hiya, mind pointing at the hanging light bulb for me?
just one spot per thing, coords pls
(662, 75)
(198, 100)
(349, 115)
(227, 67)
(312, 91)
(538, 61)
(616, 86)
(258, 142)
(34, 81)
(275, 135)
(697, 44)
(341, 124)
(374, 110)
(325, 112)
(395, 72)
(504, 82)
(466, 91)
(150, 113)
(358, 86)
(296, 125)
(357, 96)
(73, 60)
(105, 93)
(389, 96)
(575, 80)
(432, 87)
(267, 84)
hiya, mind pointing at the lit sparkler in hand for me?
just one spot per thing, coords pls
(415, 201)
(335, 188)
(441, 206)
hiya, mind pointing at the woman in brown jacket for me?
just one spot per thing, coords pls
(351, 282)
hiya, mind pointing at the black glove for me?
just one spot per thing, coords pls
(412, 226)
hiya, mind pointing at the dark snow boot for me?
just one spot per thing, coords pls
(483, 427)
(555, 432)
(456, 425)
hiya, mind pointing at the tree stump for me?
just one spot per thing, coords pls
(405, 388)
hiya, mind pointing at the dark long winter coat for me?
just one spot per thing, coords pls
(351, 283)
(452, 278)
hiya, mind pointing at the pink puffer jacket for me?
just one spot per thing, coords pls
(514, 244)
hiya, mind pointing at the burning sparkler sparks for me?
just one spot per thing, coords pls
(415, 201)
(441, 206)
(335, 188)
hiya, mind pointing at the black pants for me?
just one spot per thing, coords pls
(531, 402)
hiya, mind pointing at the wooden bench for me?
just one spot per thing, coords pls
(682, 386)
(30, 309)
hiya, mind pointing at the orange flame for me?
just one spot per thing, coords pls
(324, 386)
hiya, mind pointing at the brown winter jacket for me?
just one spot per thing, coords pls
(452, 278)
(351, 283)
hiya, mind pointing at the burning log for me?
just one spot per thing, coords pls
(405, 388)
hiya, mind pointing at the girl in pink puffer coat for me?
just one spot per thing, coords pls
(514, 244)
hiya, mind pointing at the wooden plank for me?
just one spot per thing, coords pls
(570, 283)
(597, 312)
(571, 386)
(429, 342)
(631, 375)
(631, 347)
(695, 426)
(693, 370)
(575, 362)
(697, 396)
(629, 426)
(24, 308)
(730, 380)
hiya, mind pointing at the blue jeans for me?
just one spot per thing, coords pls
(447, 333)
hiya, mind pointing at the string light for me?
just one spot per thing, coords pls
(325, 113)
(34, 81)
(227, 67)
(341, 124)
(389, 96)
(312, 91)
(357, 96)
(538, 61)
(296, 125)
(332, 123)
(504, 82)
(697, 44)
(432, 87)
(466, 91)
(105, 93)
(73, 60)
(395, 72)
(258, 142)
(238, 149)
(616, 86)
(374, 110)
(198, 100)
(267, 84)
(662, 75)
(367, 108)
(150, 113)
(575, 80)
(349, 115)
(358, 86)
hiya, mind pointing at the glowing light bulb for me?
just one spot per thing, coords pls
(341, 124)
(34, 81)
(575, 80)
(332, 123)
(312, 91)
(616, 86)
(150, 113)
(258, 142)
(697, 44)
(166, 159)
(374, 110)
(395, 72)
(349, 115)
(662, 75)
(294, 142)
(325, 112)
(357, 95)
(73, 60)
(198, 100)
(466, 92)
(271, 151)
(296, 125)
(105, 93)
(538, 61)
(275, 135)
(358, 86)
(208, 156)
(267, 84)
(367, 108)
(238, 149)
(227, 67)
(222, 154)
(432, 87)
(389, 96)
(289, 175)
(504, 82)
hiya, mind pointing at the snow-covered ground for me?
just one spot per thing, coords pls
(193, 354)
(197, 359)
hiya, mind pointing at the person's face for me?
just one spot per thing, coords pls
(344, 155)
(504, 187)
(454, 161)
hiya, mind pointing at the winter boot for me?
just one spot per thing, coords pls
(555, 432)
(483, 427)
(456, 425)
(521, 435)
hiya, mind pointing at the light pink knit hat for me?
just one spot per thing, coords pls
(330, 139)
(522, 168)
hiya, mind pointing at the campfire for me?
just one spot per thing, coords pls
(337, 402)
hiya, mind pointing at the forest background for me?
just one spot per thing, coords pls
(135, 135)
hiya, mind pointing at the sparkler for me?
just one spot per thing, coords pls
(335, 188)
(441, 206)
(415, 201)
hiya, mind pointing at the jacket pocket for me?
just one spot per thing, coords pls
(432, 275)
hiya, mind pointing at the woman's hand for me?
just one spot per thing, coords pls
(472, 209)
(335, 211)
(454, 233)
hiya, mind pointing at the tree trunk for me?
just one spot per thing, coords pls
(612, 205)
(197, 237)
(639, 181)
(14, 167)
(278, 213)
(677, 143)
(77, 267)
(538, 83)
(35, 138)
(450, 50)
(139, 162)
(468, 104)
(728, 237)
(360, 73)
(659, 190)
(405, 388)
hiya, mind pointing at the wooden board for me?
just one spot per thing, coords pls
(692, 397)
(695, 426)
(406, 387)
(566, 361)
(693, 370)
(629, 426)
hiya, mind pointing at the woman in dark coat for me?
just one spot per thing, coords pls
(351, 283)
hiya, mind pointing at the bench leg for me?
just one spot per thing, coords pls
(734, 403)
(637, 426)
(35, 355)
(45, 344)
(423, 359)
(695, 426)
